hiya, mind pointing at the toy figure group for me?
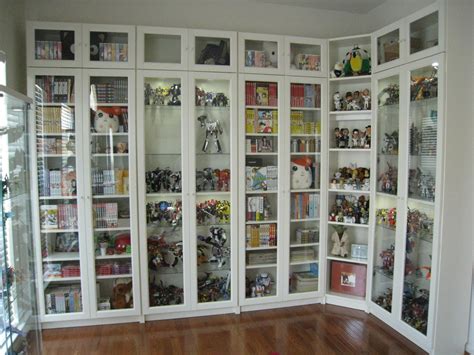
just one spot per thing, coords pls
(212, 288)
(388, 180)
(360, 139)
(423, 88)
(213, 180)
(163, 180)
(387, 217)
(389, 95)
(218, 99)
(260, 287)
(162, 253)
(415, 307)
(421, 184)
(164, 295)
(350, 209)
(390, 143)
(353, 101)
(419, 224)
(217, 239)
(164, 212)
(351, 178)
(213, 211)
(163, 96)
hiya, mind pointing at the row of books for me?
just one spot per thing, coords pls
(115, 91)
(55, 89)
(298, 125)
(105, 215)
(261, 121)
(263, 235)
(49, 50)
(305, 95)
(113, 52)
(304, 205)
(258, 208)
(309, 145)
(264, 178)
(63, 299)
(261, 93)
(55, 119)
(258, 59)
(56, 145)
(62, 216)
(110, 182)
(260, 145)
(57, 182)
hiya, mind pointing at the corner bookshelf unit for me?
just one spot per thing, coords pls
(349, 156)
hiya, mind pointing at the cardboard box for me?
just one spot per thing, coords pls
(391, 51)
(348, 278)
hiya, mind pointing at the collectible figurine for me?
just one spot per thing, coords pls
(347, 101)
(366, 99)
(388, 180)
(337, 71)
(340, 239)
(388, 259)
(355, 138)
(390, 143)
(357, 62)
(345, 138)
(200, 95)
(389, 95)
(220, 100)
(355, 102)
(337, 101)
(217, 238)
(175, 92)
(263, 283)
(213, 128)
(368, 137)
(148, 94)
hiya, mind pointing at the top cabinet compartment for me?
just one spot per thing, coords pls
(305, 56)
(213, 51)
(161, 48)
(109, 46)
(53, 44)
(350, 58)
(262, 54)
(417, 36)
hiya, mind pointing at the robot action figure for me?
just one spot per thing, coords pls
(213, 128)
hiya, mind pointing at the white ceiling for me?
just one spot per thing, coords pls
(353, 6)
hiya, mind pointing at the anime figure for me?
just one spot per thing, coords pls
(213, 128)
(217, 239)
(340, 239)
(175, 92)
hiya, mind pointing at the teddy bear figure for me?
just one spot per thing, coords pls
(122, 294)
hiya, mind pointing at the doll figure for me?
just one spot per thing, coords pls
(368, 134)
(337, 136)
(355, 102)
(340, 239)
(355, 138)
(366, 99)
(337, 101)
(347, 101)
(344, 138)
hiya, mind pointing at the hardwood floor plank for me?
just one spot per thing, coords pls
(314, 329)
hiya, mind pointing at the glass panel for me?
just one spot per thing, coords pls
(19, 330)
(57, 186)
(161, 48)
(387, 187)
(388, 47)
(213, 176)
(163, 164)
(108, 46)
(54, 45)
(261, 54)
(109, 177)
(424, 33)
(305, 177)
(305, 57)
(212, 50)
(423, 123)
(261, 176)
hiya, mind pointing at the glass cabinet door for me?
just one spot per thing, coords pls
(305, 56)
(422, 175)
(213, 51)
(58, 142)
(111, 208)
(161, 48)
(261, 53)
(388, 46)
(261, 205)
(163, 132)
(109, 46)
(385, 227)
(214, 154)
(19, 321)
(305, 184)
(424, 32)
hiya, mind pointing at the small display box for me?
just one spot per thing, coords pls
(359, 251)
(348, 278)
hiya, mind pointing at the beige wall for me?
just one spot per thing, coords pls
(12, 41)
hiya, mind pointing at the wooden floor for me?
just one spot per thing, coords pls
(315, 329)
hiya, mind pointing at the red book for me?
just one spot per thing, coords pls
(348, 278)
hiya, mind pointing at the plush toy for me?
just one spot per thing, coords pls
(105, 122)
(337, 71)
(122, 243)
(356, 62)
(301, 175)
(122, 294)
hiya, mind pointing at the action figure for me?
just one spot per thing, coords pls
(213, 128)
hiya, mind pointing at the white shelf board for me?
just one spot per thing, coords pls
(59, 231)
(304, 190)
(304, 219)
(108, 277)
(305, 153)
(58, 197)
(260, 266)
(420, 201)
(115, 256)
(65, 256)
(62, 279)
(261, 134)
(313, 261)
(109, 104)
(164, 194)
(361, 192)
(111, 229)
(110, 196)
(256, 192)
(349, 224)
(207, 193)
(295, 108)
(262, 153)
(357, 150)
(262, 248)
(262, 107)
(261, 222)
(303, 245)
(312, 135)
(352, 78)
(66, 155)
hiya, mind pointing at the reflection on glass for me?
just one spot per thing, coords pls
(163, 179)
(54, 44)
(423, 123)
(108, 46)
(305, 57)
(424, 33)
(212, 51)
(161, 48)
(388, 47)
(261, 54)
